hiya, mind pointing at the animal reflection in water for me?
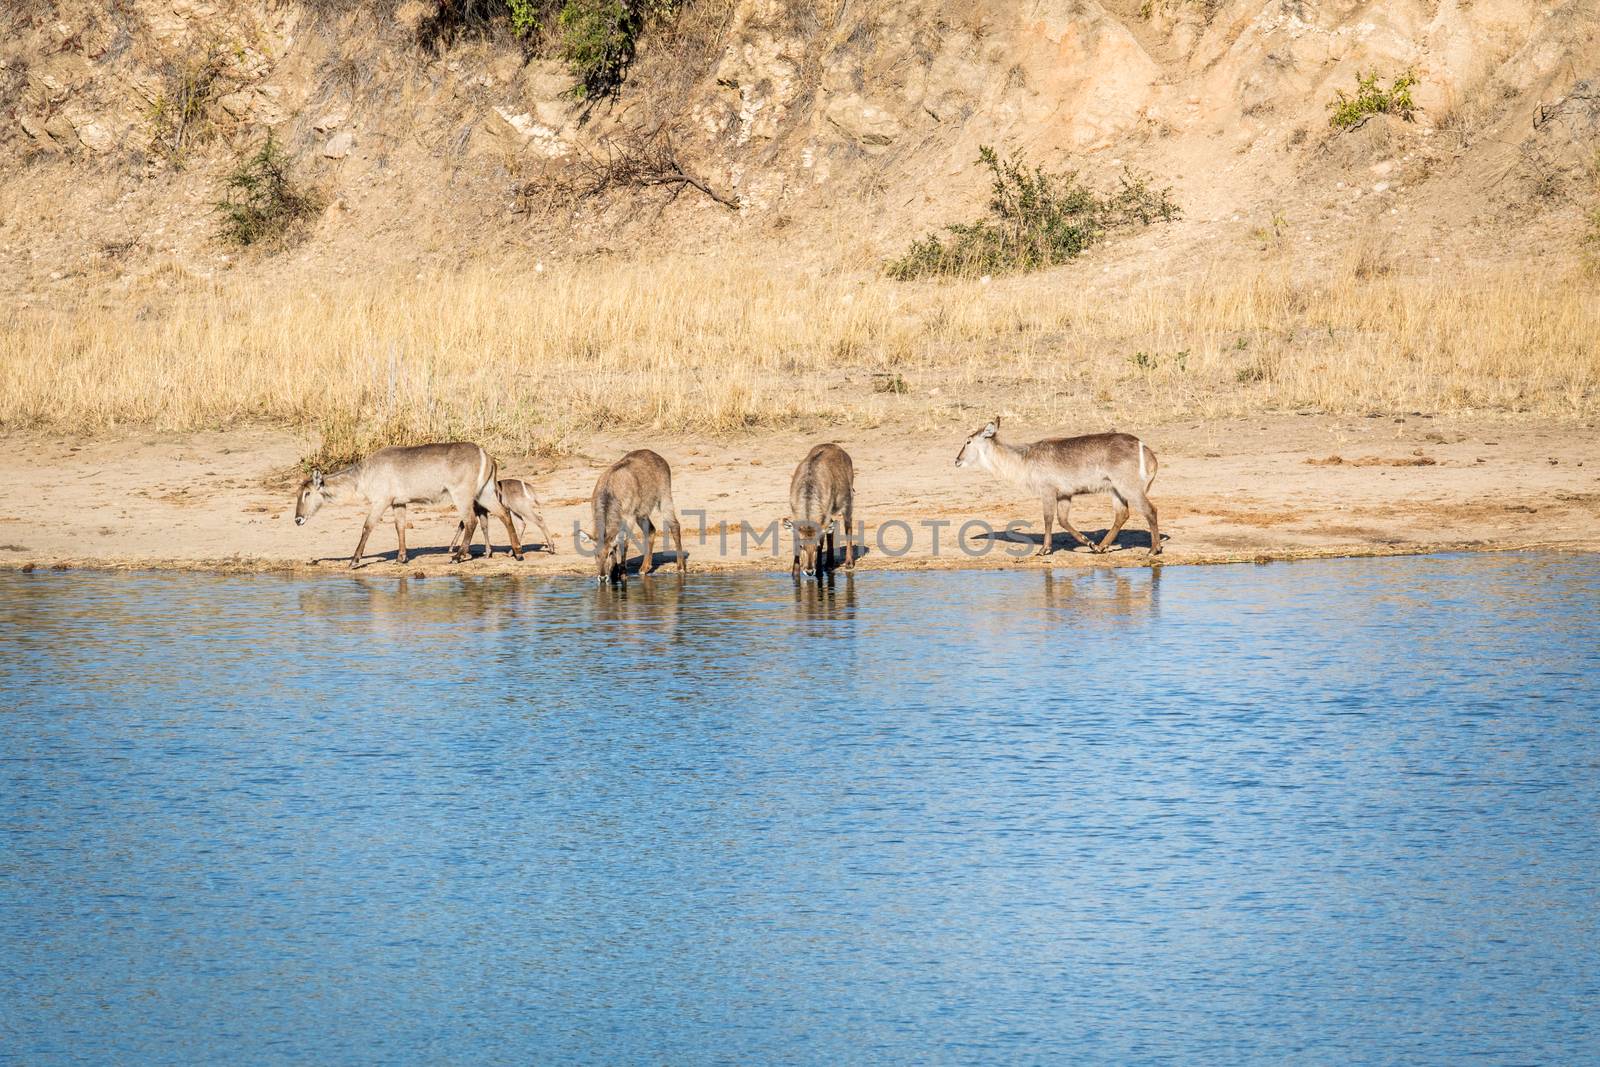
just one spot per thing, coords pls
(651, 607)
(826, 598)
(401, 609)
(1110, 593)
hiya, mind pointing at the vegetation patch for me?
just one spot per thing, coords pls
(1352, 111)
(1036, 219)
(179, 115)
(597, 38)
(261, 201)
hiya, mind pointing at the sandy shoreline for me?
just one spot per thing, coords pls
(1252, 490)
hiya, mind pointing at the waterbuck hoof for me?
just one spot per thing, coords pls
(517, 556)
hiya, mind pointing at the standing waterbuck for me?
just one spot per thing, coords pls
(1060, 468)
(519, 499)
(624, 497)
(461, 472)
(821, 492)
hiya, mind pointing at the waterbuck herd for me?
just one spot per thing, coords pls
(637, 489)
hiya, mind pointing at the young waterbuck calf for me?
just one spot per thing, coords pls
(1060, 468)
(519, 499)
(461, 472)
(624, 497)
(821, 492)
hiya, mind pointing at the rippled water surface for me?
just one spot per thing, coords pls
(1327, 812)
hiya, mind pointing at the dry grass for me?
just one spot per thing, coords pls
(524, 360)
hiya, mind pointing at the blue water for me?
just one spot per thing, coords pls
(1330, 812)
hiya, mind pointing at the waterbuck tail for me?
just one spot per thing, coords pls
(1147, 471)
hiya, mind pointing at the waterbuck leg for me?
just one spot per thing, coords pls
(675, 532)
(826, 562)
(482, 515)
(469, 526)
(648, 563)
(511, 532)
(1049, 530)
(1065, 515)
(366, 531)
(1117, 520)
(549, 545)
(849, 540)
(1148, 510)
(400, 532)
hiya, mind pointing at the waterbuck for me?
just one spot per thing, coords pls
(627, 493)
(821, 492)
(461, 472)
(519, 499)
(1060, 468)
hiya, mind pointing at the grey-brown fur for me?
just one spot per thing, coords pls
(460, 472)
(624, 498)
(520, 500)
(1060, 468)
(821, 493)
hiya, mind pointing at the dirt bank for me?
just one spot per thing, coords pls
(1267, 488)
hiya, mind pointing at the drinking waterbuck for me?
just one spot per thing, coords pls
(461, 472)
(519, 499)
(1060, 468)
(625, 496)
(821, 492)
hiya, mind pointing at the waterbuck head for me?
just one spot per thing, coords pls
(807, 543)
(311, 498)
(971, 453)
(607, 566)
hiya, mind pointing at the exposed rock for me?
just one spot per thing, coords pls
(62, 129)
(34, 127)
(238, 104)
(866, 122)
(524, 129)
(330, 122)
(259, 104)
(339, 145)
(95, 136)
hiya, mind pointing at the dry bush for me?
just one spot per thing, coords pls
(633, 161)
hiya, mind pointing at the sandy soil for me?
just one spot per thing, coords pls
(1268, 488)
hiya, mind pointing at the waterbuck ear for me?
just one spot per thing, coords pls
(788, 524)
(993, 427)
(316, 479)
(585, 539)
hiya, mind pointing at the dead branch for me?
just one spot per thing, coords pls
(642, 162)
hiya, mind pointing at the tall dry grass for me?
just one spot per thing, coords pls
(524, 360)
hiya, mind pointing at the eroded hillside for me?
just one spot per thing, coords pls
(840, 130)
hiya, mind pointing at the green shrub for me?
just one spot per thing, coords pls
(261, 201)
(526, 16)
(1036, 219)
(597, 41)
(597, 38)
(1350, 112)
